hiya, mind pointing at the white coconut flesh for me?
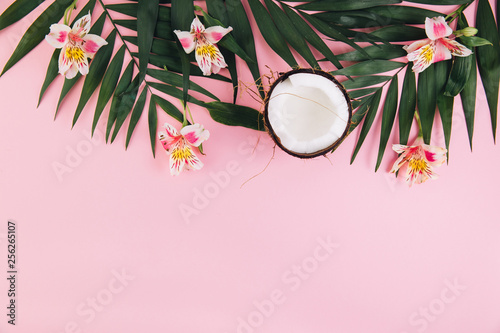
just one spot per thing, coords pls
(307, 112)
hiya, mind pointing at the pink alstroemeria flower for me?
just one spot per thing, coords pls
(208, 56)
(437, 47)
(421, 158)
(77, 45)
(179, 146)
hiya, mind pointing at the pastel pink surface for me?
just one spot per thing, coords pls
(118, 245)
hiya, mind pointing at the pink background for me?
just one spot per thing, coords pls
(248, 259)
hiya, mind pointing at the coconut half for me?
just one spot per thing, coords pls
(307, 112)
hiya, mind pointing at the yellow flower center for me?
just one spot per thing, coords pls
(182, 154)
(74, 54)
(207, 50)
(417, 165)
(428, 53)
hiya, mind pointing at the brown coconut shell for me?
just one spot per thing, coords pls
(273, 135)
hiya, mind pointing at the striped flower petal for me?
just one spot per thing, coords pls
(214, 34)
(437, 27)
(188, 41)
(195, 134)
(91, 44)
(58, 36)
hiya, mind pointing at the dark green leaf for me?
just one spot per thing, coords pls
(426, 101)
(271, 33)
(236, 115)
(125, 104)
(341, 5)
(488, 58)
(311, 36)
(242, 32)
(444, 103)
(332, 32)
(407, 105)
(399, 33)
(174, 92)
(459, 75)
(365, 81)
(37, 31)
(381, 52)
(369, 67)
(217, 10)
(227, 41)
(17, 11)
(355, 19)
(403, 14)
(129, 9)
(147, 16)
(468, 93)
(441, 2)
(121, 88)
(153, 124)
(96, 73)
(109, 84)
(474, 41)
(169, 108)
(52, 72)
(355, 94)
(176, 80)
(290, 32)
(468, 97)
(388, 116)
(136, 114)
(182, 14)
(173, 65)
(367, 124)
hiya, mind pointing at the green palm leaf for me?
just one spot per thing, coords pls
(37, 31)
(488, 58)
(388, 116)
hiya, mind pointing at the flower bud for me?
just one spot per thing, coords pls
(468, 32)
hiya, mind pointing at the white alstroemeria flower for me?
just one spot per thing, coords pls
(76, 46)
(179, 146)
(437, 47)
(208, 56)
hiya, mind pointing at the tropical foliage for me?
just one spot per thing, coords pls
(376, 30)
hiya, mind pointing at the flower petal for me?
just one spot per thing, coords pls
(437, 27)
(71, 72)
(204, 58)
(416, 45)
(400, 148)
(197, 26)
(188, 40)
(91, 44)
(82, 26)
(169, 138)
(177, 159)
(206, 54)
(455, 47)
(214, 34)
(195, 134)
(436, 156)
(441, 52)
(58, 36)
(193, 161)
(422, 58)
(64, 62)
